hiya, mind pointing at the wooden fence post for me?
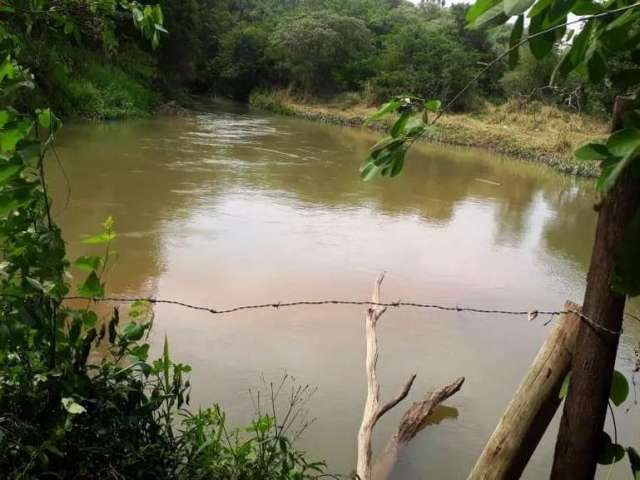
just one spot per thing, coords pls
(533, 406)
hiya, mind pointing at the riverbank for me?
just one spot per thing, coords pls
(529, 131)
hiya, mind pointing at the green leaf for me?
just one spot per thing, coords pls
(622, 142)
(619, 388)
(45, 118)
(634, 460)
(414, 127)
(517, 7)
(609, 452)
(514, 40)
(133, 331)
(597, 67)
(166, 360)
(71, 406)
(433, 105)
(368, 171)
(88, 263)
(480, 7)
(385, 109)
(564, 389)
(538, 8)
(558, 10)
(141, 352)
(104, 237)
(91, 287)
(541, 45)
(576, 54)
(586, 7)
(8, 171)
(592, 151)
(399, 125)
(610, 176)
(491, 18)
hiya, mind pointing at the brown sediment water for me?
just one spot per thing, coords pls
(230, 206)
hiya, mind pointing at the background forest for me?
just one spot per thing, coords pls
(360, 51)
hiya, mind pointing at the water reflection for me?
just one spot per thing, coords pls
(237, 207)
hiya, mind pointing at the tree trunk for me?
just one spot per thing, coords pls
(533, 406)
(592, 367)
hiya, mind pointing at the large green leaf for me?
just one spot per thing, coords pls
(433, 105)
(538, 8)
(91, 287)
(398, 126)
(88, 263)
(8, 170)
(609, 452)
(610, 176)
(586, 7)
(624, 141)
(385, 109)
(541, 44)
(619, 388)
(597, 67)
(514, 39)
(559, 9)
(592, 151)
(517, 7)
(480, 7)
(133, 331)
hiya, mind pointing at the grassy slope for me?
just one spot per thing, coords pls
(533, 131)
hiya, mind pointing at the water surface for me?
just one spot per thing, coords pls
(232, 207)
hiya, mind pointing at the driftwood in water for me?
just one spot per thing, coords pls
(413, 421)
(373, 410)
(533, 406)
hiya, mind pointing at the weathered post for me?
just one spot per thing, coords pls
(533, 406)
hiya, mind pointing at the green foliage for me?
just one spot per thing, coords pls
(78, 394)
(335, 41)
(74, 48)
(105, 91)
(270, 102)
(432, 58)
(242, 63)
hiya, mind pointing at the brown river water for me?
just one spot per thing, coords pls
(231, 206)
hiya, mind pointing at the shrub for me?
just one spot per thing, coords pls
(105, 91)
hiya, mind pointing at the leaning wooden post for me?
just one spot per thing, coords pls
(533, 406)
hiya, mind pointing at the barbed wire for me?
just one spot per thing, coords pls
(531, 314)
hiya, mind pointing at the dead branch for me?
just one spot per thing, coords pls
(415, 417)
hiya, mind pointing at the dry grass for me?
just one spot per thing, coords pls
(527, 130)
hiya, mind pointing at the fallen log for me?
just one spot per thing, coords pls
(533, 406)
(416, 418)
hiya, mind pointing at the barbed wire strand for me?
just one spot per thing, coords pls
(531, 314)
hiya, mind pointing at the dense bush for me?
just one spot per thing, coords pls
(79, 397)
(317, 48)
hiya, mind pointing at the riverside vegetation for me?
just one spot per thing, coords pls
(79, 396)
(365, 51)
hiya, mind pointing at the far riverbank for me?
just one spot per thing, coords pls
(528, 131)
